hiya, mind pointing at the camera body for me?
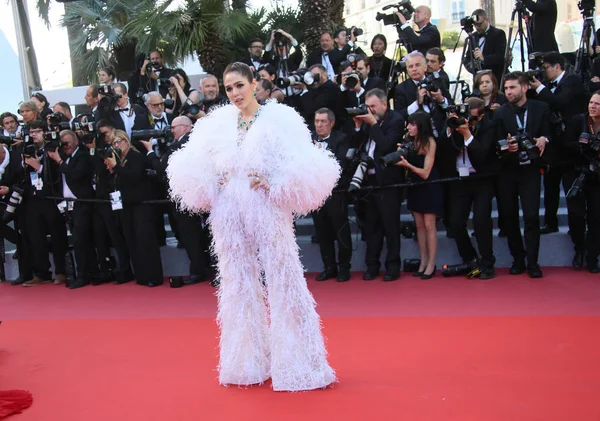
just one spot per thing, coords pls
(432, 82)
(528, 151)
(299, 76)
(164, 137)
(394, 157)
(353, 79)
(589, 145)
(189, 107)
(108, 92)
(467, 23)
(404, 7)
(363, 162)
(463, 115)
(8, 140)
(536, 64)
(362, 109)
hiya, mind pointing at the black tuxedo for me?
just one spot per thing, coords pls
(472, 193)
(148, 84)
(569, 98)
(292, 63)
(521, 181)
(428, 37)
(336, 57)
(266, 57)
(331, 220)
(382, 207)
(327, 95)
(189, 227)
(141, 121)
(543, 24)
(494, 48)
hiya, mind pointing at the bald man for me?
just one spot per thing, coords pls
(428, 37)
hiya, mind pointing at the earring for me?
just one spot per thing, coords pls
(254, 94)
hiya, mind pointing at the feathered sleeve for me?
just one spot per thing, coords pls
(193, 180)
(303, 175)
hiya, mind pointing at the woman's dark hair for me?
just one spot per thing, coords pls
(241, 68)
(109, 71)
(186, 88)
(381, 37)
(269, 68)
(482, 73)
(41, 97)
(423, 122)
(266, 84)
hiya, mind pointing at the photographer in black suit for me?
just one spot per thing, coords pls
(256, 54)
(378, 134)
(543, 24)
(328, 56)
(584, 203)
(127, 116)
(190, 229)
(490, 46)
(435, 59)
(519, 176)
(428, 37)
(470, 146)
(331, 220)
(76, 169)
(152, 72)
(281, 58)
(567, 97)
(342, 38)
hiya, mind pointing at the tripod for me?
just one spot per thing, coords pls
(582, 62)
(473, 66)
(397, 67)
(524, 39)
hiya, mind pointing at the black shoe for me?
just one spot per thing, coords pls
(344, 275)
(327, 274)
(593, 268)
(547, 229)
(391, 276)
(194, 279)
(578, 260)
(418, 274)
(487, 273)
(17, 281)
(100, 278)
(149, 284)
(369, 275)
(535, 271)
(78, 283)
(431, 275)
(517, 268)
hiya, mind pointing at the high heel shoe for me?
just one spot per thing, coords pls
(431, 275)
(418, 274)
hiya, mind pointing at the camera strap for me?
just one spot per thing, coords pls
(522, 125)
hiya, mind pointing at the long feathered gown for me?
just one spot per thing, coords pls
(271, 331)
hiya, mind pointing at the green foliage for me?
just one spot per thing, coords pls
(449, 39)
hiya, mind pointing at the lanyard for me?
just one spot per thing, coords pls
(522, 125)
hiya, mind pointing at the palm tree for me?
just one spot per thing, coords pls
(202, 27)
(316, 19)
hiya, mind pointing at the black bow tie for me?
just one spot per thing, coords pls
(123, 110)
(520, 110)
(159, 120)
(552, 84)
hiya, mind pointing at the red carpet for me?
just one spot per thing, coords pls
(446, 349)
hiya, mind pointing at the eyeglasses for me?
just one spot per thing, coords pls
(160, 104)
(117, 142)
(180, 125)
(34, 131)
(256, 46)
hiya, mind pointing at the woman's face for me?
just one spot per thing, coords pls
(378, 47)
(40, 104)
(239, 90)
(265, 75)
(485, 85)
(104, 77)
(261, 93)
(121, 144)
(27, 114)
(413, 130)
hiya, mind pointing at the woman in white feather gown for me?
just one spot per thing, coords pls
(253, 168)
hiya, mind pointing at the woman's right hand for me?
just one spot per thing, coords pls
(402, 163)
(494, 106)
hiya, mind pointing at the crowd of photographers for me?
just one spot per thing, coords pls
(388, 123)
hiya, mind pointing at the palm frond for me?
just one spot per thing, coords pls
(43, 8)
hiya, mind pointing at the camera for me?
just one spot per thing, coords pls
(536, 65)
(299, 76)
(470, 269)
(164, 137)
(528, 151)
(354, 30)
(108, 92)
(364, 162)
(189, 107)
(362, 109)
(354, 78)
(52, 141)
(108, 151)
(577, 186)
(8, 140)
(165, 81)
(154, 64)
(404, 7)
(15, 199)
(467, 23)
(432, 82)
(394, 157)
(463, 114)
(587, 7)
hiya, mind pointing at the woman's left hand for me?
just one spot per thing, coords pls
(110, 162)
(402, 163)
(258, 182)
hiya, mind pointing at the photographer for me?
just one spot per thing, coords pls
(429, 36)
(180, 91)
(331, 220)
(470, 146)
(322, 93)
(130, 186)
(583, 202)
(76, 170)
(125, 115)
(256, 54)
(42, 104)
(525, 124)
(157, 116)
(92, 99)
(378, 132)
(10, 124)
(189, 226)
(65, 109)
(342, 38)
(42, 179)
(435, 59)
(209, 87)
(152, 72)
(328, 56)
(490, 46)
(543, 24)
(567, 97)
(268, 73)
(485, 86)
(281, 59)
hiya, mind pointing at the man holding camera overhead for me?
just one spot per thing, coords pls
(428, 35)
(152, 72)
(342, 38)
(125, 115)
(522, 133)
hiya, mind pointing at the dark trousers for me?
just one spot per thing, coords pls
(521, 183)
(82, 229)
(24, 249)
(552, 181)
(106, 231)
(477, 194)
(194, 241)
(584, 209)
(137, 222)
(44, 217)
(382, 220)
(331, 223)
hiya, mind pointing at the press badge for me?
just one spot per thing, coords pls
(62, 206)
(36, 181)
(115, 200)
(463, 171)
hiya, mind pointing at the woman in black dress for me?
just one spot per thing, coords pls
(424, 201)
